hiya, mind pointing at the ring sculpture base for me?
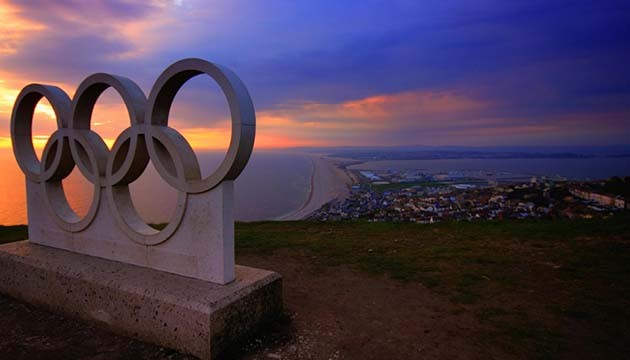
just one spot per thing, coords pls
(190, 315)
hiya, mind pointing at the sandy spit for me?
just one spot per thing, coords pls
(328, 182)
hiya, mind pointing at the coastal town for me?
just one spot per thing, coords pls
(421, 197)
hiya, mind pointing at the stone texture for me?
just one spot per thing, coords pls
(190, 315)
(202, 247)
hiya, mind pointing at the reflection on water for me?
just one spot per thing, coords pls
(12, 191)
(272, 184)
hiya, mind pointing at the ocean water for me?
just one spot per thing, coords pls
(272, 184)
(574, 169)
(275, 183)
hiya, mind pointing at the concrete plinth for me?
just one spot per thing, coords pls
(186, 314)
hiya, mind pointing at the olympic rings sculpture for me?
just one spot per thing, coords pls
(147, 138)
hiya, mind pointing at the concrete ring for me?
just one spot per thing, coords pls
(57, 162)
(128, 157)
(133, 225)
(57, 204)
(83, 104)
(241, 109)
(93, 86)
(177, 163)
(89, 152)
(54, 197)
(22, 123)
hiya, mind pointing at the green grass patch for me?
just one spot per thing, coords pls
(405, 185)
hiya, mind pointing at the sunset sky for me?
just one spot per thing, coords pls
(351, 73)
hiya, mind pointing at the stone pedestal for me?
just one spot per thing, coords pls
(190, 315)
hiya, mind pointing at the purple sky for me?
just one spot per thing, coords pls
(347, 72)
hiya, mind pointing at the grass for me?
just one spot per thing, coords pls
(12, 233)
(405, 185)
(531, 282)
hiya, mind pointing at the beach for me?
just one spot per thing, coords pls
(328, 182)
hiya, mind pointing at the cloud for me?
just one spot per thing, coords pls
(373, 119)
(410, 104)
(16, 28)
(342, 73)
(433, 118)
(70, 39)
(406, 106)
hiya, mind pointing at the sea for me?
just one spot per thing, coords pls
(590, 168)
(276, 183)
(273, 184)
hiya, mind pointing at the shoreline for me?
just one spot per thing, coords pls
(328, 182)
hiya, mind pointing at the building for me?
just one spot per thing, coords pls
(601, 199)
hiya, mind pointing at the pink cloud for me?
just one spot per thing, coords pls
(410, 104)
(429, 118)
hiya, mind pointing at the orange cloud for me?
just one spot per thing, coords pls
(15, 28)
(11, 85)
(207, 138)
(147, 34)
(409, 103)
(386, 106)
(139, 27)
(44, 120)
(362, 121)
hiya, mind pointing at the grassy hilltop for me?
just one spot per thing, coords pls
(523, 288)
